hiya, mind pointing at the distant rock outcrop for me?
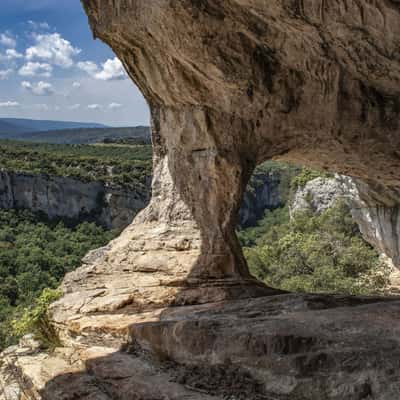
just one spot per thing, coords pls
(264, 193)
(316, 195)
(375, 209)
(111, 206)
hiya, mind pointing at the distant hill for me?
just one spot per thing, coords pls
(139, 135)
(9, 127)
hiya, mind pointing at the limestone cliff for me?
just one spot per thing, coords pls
(375, 209)
(317, 195)
(109, 205)
(264, 193)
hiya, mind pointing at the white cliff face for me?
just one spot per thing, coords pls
(317, 195)
(378, 217)
(63, 197)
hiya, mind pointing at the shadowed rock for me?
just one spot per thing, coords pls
(231, 84)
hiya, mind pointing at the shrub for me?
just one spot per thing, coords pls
(35, 320)
(307, 175)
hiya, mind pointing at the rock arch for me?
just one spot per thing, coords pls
(233, 83)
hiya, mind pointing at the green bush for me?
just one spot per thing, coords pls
(307, 175)
(35, 320)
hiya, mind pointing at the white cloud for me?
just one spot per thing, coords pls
(113, 106)
(5, 73)
(54, 49)
(7, 40)
(94, 106)
(36, 69)
(88, 66)
(39, 89)
(74, 107)
(76, 85)
(38, 25)
(111, 70)
(12, 54)
(9, 104)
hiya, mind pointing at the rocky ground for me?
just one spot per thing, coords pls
(276, 347)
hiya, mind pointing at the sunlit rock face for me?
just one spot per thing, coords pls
(376, 209)
(233, 83)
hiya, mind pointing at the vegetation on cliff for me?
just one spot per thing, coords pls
(34, 320)
(286, 172)
(313, 253)
(126, 165)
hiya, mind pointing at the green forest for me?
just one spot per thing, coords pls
(128, 165)
(313, 253)
(35, 254)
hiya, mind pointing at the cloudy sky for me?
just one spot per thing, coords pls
(51, 68)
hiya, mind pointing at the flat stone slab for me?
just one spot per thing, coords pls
(286, 347)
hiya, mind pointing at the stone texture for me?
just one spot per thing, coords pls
(231, 84)
(377, 212)
(317, 196)
(305, 347)
(112, 206)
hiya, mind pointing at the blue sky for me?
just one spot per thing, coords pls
(51, 68)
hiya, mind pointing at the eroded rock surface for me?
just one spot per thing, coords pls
(286, 347)
(231, 84)
(377, 212)
(317, 196)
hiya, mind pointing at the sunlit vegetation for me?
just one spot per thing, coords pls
(313, 253)
(34, 320)
(35, 254)
(126, 165)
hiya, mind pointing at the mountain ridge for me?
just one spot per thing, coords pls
(63, 132)
(12, 126)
